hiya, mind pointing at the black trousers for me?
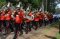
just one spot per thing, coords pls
(40, 23)
(0, 26)
(3, 22)
(28, 26)
(18, 27)
(0, 23)
(12, 24)
(35, 24)
(46, 22)
(51, 21)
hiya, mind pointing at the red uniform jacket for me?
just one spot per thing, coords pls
(8, 17)
(36, 19)
(50, 17)
(21, 13)
(2, 17)
(30, 14)
(27, 20)
(40, 17)
(18, 19)
(9, 12)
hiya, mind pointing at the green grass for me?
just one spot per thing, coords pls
(58, 36)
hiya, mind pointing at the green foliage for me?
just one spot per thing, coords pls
(36, 3)
(51, 6)
(2, 2)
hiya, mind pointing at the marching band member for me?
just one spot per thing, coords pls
(18, 25)
(0, 22)
(29, 19)
(31, 14)
(36, 21)
(8, 21)
(45, 19)
(3, 22)
(41, 18)
(13, 20)
(50, 18)
(20, 20)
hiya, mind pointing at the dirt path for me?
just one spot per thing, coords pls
(43, 33)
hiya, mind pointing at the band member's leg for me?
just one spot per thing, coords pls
(40, 23)
(45, 23)
(16, 30)
(0, 26)
(21, 29)
(29, 26)
(4, 26)
(8, 26)
(26, 29)
(11, 25)
(35, 25)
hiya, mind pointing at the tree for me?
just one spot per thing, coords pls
(2, 2)
(34, 3)
(51, 6)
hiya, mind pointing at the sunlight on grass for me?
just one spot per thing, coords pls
(47, 30)
(58, 36)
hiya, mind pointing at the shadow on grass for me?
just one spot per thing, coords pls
(50, 37)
